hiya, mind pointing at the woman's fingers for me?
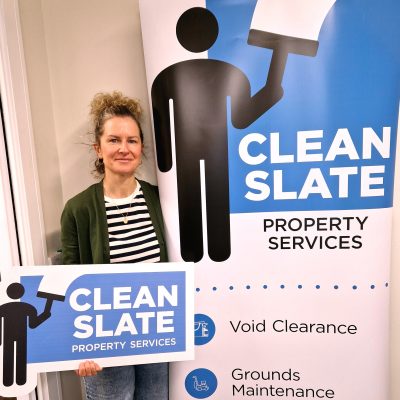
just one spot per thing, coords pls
(88, 368)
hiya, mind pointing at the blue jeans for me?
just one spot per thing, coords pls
(132, 382)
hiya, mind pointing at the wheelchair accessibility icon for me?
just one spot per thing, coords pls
(201, 383)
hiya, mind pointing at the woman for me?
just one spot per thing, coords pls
(116, 220)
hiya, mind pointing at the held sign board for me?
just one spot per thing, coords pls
(275, 126)
(54, 317)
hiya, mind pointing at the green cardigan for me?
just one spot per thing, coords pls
(84, 232)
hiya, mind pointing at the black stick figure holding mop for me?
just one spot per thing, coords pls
(199, 89)
(15, 317)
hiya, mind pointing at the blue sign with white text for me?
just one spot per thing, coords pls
(54, 317)
(309, 150)
(131, 315)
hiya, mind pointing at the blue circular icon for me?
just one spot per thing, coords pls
(204, 329)
(201, 383)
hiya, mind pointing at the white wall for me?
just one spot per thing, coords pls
(76, 48)
(43, 118)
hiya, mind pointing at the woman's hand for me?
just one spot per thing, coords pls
(88, 368)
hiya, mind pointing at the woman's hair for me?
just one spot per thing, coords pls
(107, 105)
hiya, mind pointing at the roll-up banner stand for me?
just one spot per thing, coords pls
(275, 128)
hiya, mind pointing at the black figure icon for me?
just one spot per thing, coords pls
(15, 317)
(199, 90)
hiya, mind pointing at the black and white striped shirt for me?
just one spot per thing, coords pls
(135, 240)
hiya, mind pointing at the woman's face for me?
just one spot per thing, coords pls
(120, 146)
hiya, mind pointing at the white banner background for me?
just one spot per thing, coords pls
(261, 285)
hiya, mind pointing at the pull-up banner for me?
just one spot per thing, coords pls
(275, 130)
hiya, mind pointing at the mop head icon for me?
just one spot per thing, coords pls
(290, 26)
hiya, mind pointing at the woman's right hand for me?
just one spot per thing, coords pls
(88, 368)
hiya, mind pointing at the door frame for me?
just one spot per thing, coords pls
(25, 214)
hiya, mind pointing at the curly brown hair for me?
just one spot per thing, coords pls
(107, 105)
